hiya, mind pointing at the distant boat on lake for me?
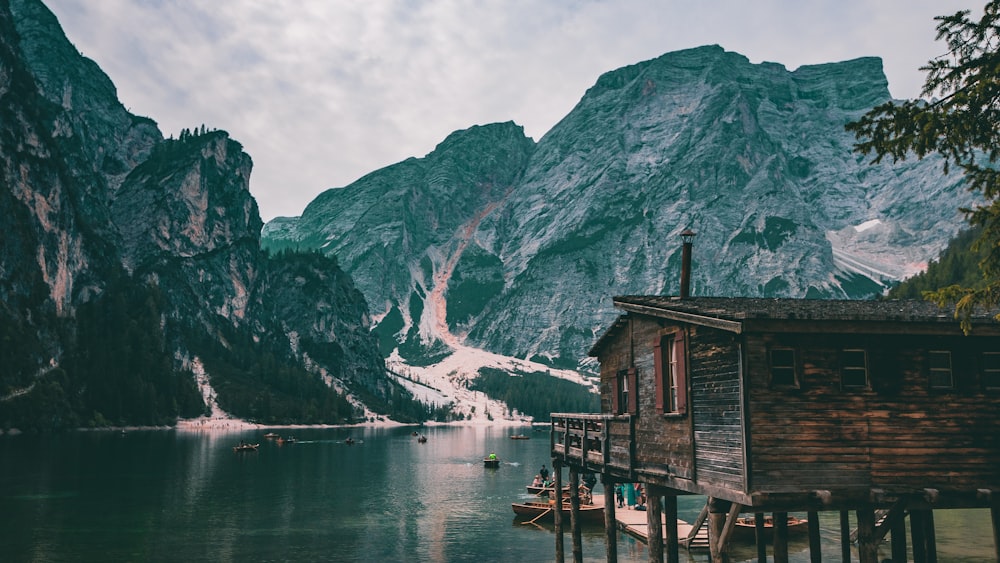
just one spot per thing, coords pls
(246, 447)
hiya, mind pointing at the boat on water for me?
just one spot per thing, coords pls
(288, 440)
(746, 528)
(242, 447)
(541, 490)
(422, 439)
(538, 511)
(491, 461)
(349, 441)
(520, 437)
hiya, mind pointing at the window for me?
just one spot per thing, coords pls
(991, 370)
(624, 399)
(853, 369)
(670, 359)
(622, 391)
(939, 369)
(783, 368)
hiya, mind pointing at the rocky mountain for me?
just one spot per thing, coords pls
(516, 247)
(126, 259)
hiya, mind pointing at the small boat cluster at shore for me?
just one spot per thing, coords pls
(246, 447)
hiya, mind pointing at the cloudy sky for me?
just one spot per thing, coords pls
(321, 92)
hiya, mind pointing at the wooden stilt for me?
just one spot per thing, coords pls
(995, 516)
(760, 537)
(898, 530)
(574, 512)
(654, 524)
(717, 513)
(610, 521)
(780, 537)
(672, 539)
(867, 546)
(845, 537)
(917, 535)
(930, 538)
(815, 550)
(558, 515)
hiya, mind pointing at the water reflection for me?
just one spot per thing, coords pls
(170, 495)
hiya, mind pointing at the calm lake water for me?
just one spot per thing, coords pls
(186, 496)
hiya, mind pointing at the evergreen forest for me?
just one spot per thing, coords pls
(536, 394)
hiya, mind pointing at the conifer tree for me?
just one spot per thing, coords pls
(962, 124)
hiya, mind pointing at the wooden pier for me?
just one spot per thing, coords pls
(633, 523)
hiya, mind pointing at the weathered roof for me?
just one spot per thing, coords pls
(733, 313)
(740, 308)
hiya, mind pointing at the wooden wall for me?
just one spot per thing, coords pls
(716, 408)
(897, 435)
(706, 443)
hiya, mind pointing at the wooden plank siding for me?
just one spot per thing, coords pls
(663, 443)
(716, 408)
(897, 435)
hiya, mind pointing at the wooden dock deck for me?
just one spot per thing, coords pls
(633, 523)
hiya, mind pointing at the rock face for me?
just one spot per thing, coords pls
(519, 246)
(124, 256)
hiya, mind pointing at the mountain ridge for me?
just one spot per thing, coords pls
(751, 156)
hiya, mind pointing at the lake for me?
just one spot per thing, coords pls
(166, 495)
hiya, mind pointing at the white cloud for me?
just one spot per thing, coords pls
(323, 92)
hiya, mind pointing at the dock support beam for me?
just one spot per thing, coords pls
(867, 546)
(610, 521)
(760, 538)
(815, 551)
(558, 514)
(845, 536)
(718, 511)
(922, 533)
(995, 517)
(672, 538)
(654, 523)
(898, 530)
(574, 512)
(780, 537)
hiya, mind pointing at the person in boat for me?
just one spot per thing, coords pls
(492, 456)
(537, 482)
(544, 473)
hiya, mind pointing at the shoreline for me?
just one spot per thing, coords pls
(235, 425)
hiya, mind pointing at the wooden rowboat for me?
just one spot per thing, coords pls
(543, 511)
(491, 462)
(540, 491)
(746, 529)
(246, 448)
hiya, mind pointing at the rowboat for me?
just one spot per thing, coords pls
(271, 435)
(745, 528)
(491, 462)
(246, 448)
(540, 490)
(520, 437)
(543, 511)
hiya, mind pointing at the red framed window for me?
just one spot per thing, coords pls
(670, 360)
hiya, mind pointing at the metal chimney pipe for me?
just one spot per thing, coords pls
(687, 236)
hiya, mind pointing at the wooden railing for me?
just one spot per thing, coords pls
(598, 442)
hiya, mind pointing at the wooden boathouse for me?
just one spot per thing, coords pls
(883, 409)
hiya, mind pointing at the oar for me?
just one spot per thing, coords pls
(532, 521)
